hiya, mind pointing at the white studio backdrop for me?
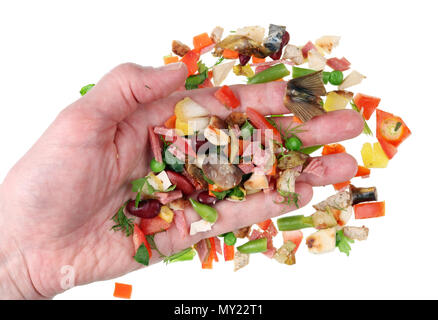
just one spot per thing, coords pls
(50, 49)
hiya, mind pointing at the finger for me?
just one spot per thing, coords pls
(119, 93)
(231, 216)
(331, 127)
(338, 168)
(266, 98)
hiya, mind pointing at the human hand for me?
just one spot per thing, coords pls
(57, 201)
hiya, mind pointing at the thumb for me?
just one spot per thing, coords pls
(123, 89)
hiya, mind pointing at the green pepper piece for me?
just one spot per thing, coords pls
(310, 150)
(254, 246)
(271, 74)
(206, 212)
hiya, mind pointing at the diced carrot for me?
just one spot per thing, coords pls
(201, 41)
(296, 119)
(170, 59)
(362, 172)
(332, 149)
(264, 224)
(341, 185)
(230, 54)
(228, 252)
(258, 60)
(190, 59)
(122, 290)
(213, 249)
(208, 264)
(170, 123)
(368, 210)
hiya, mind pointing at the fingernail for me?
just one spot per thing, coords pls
(171, 66)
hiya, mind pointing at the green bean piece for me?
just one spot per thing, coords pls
(294, 223)
(254, 246)
(310, 150)
(205, 212)
(299, 72)
(271, 74)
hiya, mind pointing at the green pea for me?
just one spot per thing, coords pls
(205, 212)
(336, 77)
(157, 166)
(293, 143)
(230, 239)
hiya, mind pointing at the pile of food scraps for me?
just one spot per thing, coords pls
(201, 159)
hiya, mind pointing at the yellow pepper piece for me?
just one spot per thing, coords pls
(374, 157)
(183, 127)
(243, 71)
(166, 214)
(335, 101)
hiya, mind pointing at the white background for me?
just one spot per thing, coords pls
(50, 49)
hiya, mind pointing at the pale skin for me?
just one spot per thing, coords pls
(56, 203)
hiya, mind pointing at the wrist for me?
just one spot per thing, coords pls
(15, 282)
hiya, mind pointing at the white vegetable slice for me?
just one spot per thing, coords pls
(352, 79)
(187, 109)
(200, 226)
(164, 179)
(316, 60)
(216, 136)
(221, 71)
(322, 241)
(198, 124)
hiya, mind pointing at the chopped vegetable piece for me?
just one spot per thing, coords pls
(366, 128)
(228, 252)
(300, 72)
(307, 47)
(374, 157)
(341, 185)
(258, 60)
(352, 79)
(122, 290)
(336, 78)
(157, 166)
(322, 241)
(296, 236)
(390, 128)
(368, 210)
(230, 239)
(170, 123)
(310, 150)
(184, 255)
(230, 54)
(254, 246)
(86, 88)
(293, 143)
(286, 253)
(226, 96)
(343, 242)
(201, 41)
(294, 223)
(366, 104)
(337, 100)
(142, 254)
(273, 73)
(170, 59)
(206, 212)
(388, 148)
(362, 172)
(332, 149)
(166, 214)
(264, 225)
(190, 59)
(221, 71)
(261, 123)
(139, 238)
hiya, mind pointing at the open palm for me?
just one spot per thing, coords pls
(57, 201)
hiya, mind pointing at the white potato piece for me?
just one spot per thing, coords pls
(322, 241)
(327, 43)
(221, 71)
(354, 78)
(187, 109)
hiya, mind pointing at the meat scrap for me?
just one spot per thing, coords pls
(179, 48)
(356, 233)
(242, 232)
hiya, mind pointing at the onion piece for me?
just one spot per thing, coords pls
(316, 60)
(187, 109)
(352, 79)
(221, 71)
(327, 43)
